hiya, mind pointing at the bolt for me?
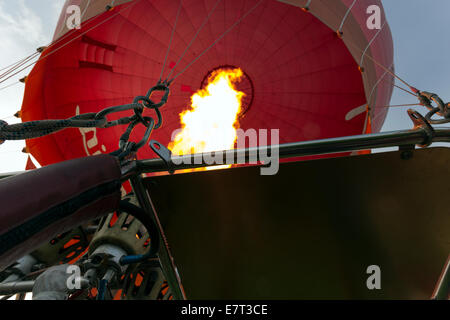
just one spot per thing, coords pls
(406, 155)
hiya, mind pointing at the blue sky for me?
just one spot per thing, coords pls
(24, 25)
(421, 33)
(420, 30)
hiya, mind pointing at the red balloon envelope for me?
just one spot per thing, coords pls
(301, 75)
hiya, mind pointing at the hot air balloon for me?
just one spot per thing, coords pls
(308, 68)
(312, 69)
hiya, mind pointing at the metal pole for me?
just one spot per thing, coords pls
(16, 287)
(164, 254)
(298, 149)
(442, 290)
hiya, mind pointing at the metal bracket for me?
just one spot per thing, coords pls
(164, 153)
(420, 122)
(407, 151)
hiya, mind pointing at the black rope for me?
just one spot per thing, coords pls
(36, 129)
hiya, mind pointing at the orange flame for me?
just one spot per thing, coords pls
(211, 123)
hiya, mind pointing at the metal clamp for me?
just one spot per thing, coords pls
(164, 153)
(420, 122)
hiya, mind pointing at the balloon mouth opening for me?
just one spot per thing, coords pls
(245, 85)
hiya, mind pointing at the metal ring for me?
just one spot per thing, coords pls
(147, 134)
(159, 87)
(102, 114)
(421, 122)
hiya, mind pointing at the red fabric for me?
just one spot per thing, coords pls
(305, 80)
(30, 165)
(381, 49)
